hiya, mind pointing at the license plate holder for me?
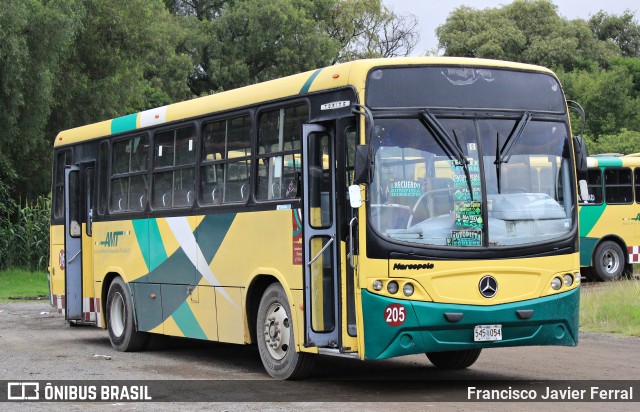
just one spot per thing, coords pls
(487, 333)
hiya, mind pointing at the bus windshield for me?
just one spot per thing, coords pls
(471, 182)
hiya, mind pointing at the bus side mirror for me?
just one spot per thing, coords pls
(361, 165)
(355, 196)
(580, 150)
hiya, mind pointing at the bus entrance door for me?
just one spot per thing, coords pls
(73, 243)
(320, 252)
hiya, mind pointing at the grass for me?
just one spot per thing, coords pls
(611, 307)
(22, 284)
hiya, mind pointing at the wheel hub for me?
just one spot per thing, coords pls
(277, 331)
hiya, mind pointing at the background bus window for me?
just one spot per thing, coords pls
(173, 173)
(279, 147)
(636, 180)
(617, 186)
(226, 162)
(594, 183)
(130, 162)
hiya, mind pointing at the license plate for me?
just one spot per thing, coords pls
(484, 333)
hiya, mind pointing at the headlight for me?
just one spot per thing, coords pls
(392, 287)
(377, 285)
(407, 289)
(568, 280)
(556, 283)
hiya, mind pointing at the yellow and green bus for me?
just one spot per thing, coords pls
(370, 209)
(610, 217)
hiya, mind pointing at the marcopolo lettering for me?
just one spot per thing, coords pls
(413, 266)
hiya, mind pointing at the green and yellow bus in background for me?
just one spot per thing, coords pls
(370, 209)
(610, 217)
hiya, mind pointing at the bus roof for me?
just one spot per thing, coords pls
(613, 160)
(352, 73)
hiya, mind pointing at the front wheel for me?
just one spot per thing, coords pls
(608, 261)
(275, 336)
(455, 359)
(120, 322)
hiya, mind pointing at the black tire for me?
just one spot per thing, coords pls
(455, 359)
(608, 261)
(275, 336)
(120, 319)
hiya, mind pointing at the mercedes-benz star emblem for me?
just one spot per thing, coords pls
(488, 286)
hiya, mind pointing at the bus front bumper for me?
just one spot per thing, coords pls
(554, 321)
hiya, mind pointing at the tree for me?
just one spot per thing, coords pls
(607, 97)
(35, 36)
(528, 31)
(625, 142)
(245, 41)
(623, 31)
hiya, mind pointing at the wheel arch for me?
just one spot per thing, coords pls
(259, 282)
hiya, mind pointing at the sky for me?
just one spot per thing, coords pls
(432, 14)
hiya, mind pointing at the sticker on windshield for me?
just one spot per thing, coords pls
(465, 238)
(468, 214)
(405, 188)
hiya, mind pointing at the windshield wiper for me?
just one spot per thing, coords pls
(503, 154)
(450, 145)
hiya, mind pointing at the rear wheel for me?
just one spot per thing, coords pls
(455, 359)
(275, 336)
(120, 322)
(608, 261)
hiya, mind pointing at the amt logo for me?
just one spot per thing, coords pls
(112, 238)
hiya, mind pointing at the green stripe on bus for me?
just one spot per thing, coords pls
(589, 216)
(187, 322)
(307, 84)
(609, 161)
(124, 123)
(157, 252)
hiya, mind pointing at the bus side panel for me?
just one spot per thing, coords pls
(57, 267)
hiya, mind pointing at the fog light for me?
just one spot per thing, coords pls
(407, 289)
(392, 287)
(568, 280)
(578, 277)
(377, 285)
(556, 283)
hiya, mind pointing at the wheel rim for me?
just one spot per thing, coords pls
(610, 262)
(277, 331)
(116, 314)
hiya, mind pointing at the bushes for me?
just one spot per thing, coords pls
(24, 235)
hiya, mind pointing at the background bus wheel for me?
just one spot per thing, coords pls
(455, 359)
(608, 261)
(275, 336)
(122, 330)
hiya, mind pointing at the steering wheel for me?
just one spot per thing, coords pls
(417, 203)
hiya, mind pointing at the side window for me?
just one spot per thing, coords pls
(226, 161)
(636, 180)
(594, 184)
(174, 154)
(62, 159)
(129, 180)
(279, 152)
(617, 186)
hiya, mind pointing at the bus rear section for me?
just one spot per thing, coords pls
(610, 217)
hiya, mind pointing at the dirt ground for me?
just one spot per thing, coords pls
(37, 344)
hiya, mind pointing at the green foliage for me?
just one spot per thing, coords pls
(528, 31)
(22, 284)
(623, 31)
(625, 142)
(614, 307)
(24, 237)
